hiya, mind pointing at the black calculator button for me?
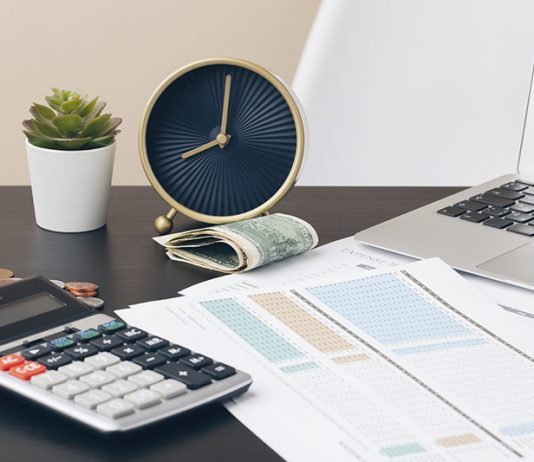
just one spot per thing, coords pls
(150, 360)
(62, 343)
(191, 378)
(196, 361)
(152, 343)
(513, 186)
(522, 208)
(111, 326)
(475, 217)
(131, 334)
(219, 371)
(499, 223)
(519, 217)
(128, 351)
(107, 342)
(174, 351)
(55, 360)
(452, 211)
(496, 211)
(505, 194)
(81, 351)
(87, 335)
(37, 351)
(470, 206)
(492, 200)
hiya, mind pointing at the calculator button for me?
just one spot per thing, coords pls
(55, 360)
(128, 351)
(145, 378)
(143, 398)
(150, 360)
(76, 369)
(152, 343)
(37, 351)
(169, 388)
(119, 388)
(49, 379)
(174, 351)
(87, 335)
(9, 361)
(70, 389)
(193, 379)
(111, 326)
(107, 343)
(97, 379)
(81, 351)
(115, 408)
(131, 334)
(196, 361)
(92, 398)
(27, 370)
(219, 371)
(59, 344)
(102, 360)
(124, 369)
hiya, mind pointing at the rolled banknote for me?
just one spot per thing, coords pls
(243, 245)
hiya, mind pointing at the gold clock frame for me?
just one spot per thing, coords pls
(163, 223)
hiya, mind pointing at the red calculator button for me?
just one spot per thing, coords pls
(27, 370)
(9, 361)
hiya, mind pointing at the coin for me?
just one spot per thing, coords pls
(7, 281)
(93, 302)
(83, 294)
(6, 273)
(81, 286)
(58, 283)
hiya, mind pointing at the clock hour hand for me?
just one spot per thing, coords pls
(200, 149)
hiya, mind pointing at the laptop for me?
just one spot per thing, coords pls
(486, 230)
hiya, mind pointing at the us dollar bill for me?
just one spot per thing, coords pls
(243, 245)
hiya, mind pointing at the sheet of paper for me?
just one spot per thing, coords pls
(409, 363)
(347, 256)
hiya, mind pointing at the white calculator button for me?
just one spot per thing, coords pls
(115, 408)
(169, 388)
(119, 388)
(124, 369)
(48, 379)
(102, 360)
(76, 369)
(98, 378)
(143, 398)
(92, 398)
(146, 378)
(70, 389)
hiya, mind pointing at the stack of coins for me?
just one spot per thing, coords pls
(86, 292)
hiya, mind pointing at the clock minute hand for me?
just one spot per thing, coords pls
(226, 104)
(200, 149)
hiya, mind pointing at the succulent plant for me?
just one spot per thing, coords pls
(70, 122)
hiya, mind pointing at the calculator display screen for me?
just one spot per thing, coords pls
(27, 307)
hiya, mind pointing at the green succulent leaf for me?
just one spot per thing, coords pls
(39, 141)
(54, 102)
(88, 108)
(71, 143)
(46, 129)
(69, 123)
(100, 142)
(43, 111)
(96, 127)
(71, 105)
(113, 123)
(99, 107)
(28, 125)
(57, 92)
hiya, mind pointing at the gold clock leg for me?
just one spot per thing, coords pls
(163, 223)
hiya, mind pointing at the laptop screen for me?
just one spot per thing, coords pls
(525, 164)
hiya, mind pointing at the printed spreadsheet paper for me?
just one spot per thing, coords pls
(402, 364)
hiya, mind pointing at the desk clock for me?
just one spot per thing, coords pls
(221, 140)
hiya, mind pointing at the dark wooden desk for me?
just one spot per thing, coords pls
(130, 268)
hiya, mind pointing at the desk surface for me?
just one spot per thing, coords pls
(130, 268)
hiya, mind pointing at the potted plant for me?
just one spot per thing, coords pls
(70, 146)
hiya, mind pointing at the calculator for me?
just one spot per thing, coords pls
(96, 369)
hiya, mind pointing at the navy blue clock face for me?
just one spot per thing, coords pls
(221, 140)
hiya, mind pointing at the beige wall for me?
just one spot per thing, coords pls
(121, 50)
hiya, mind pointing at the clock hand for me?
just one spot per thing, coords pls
(200, 149)
(226, 103)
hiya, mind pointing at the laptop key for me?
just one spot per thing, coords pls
(527, 200)
(529, 191)
(523, 208)
(471, 206)
(528, 183)
(505, 194)
(452, 211)
(519, 217)
(513, 186)
(492, 200)
(496, 211)
(475, 217)
(525, 230)
(499, 223)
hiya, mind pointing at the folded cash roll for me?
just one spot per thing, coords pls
(241, 246)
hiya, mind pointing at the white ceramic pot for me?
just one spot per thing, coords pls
(70, 188)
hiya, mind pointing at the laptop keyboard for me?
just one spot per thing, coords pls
(509, 207)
